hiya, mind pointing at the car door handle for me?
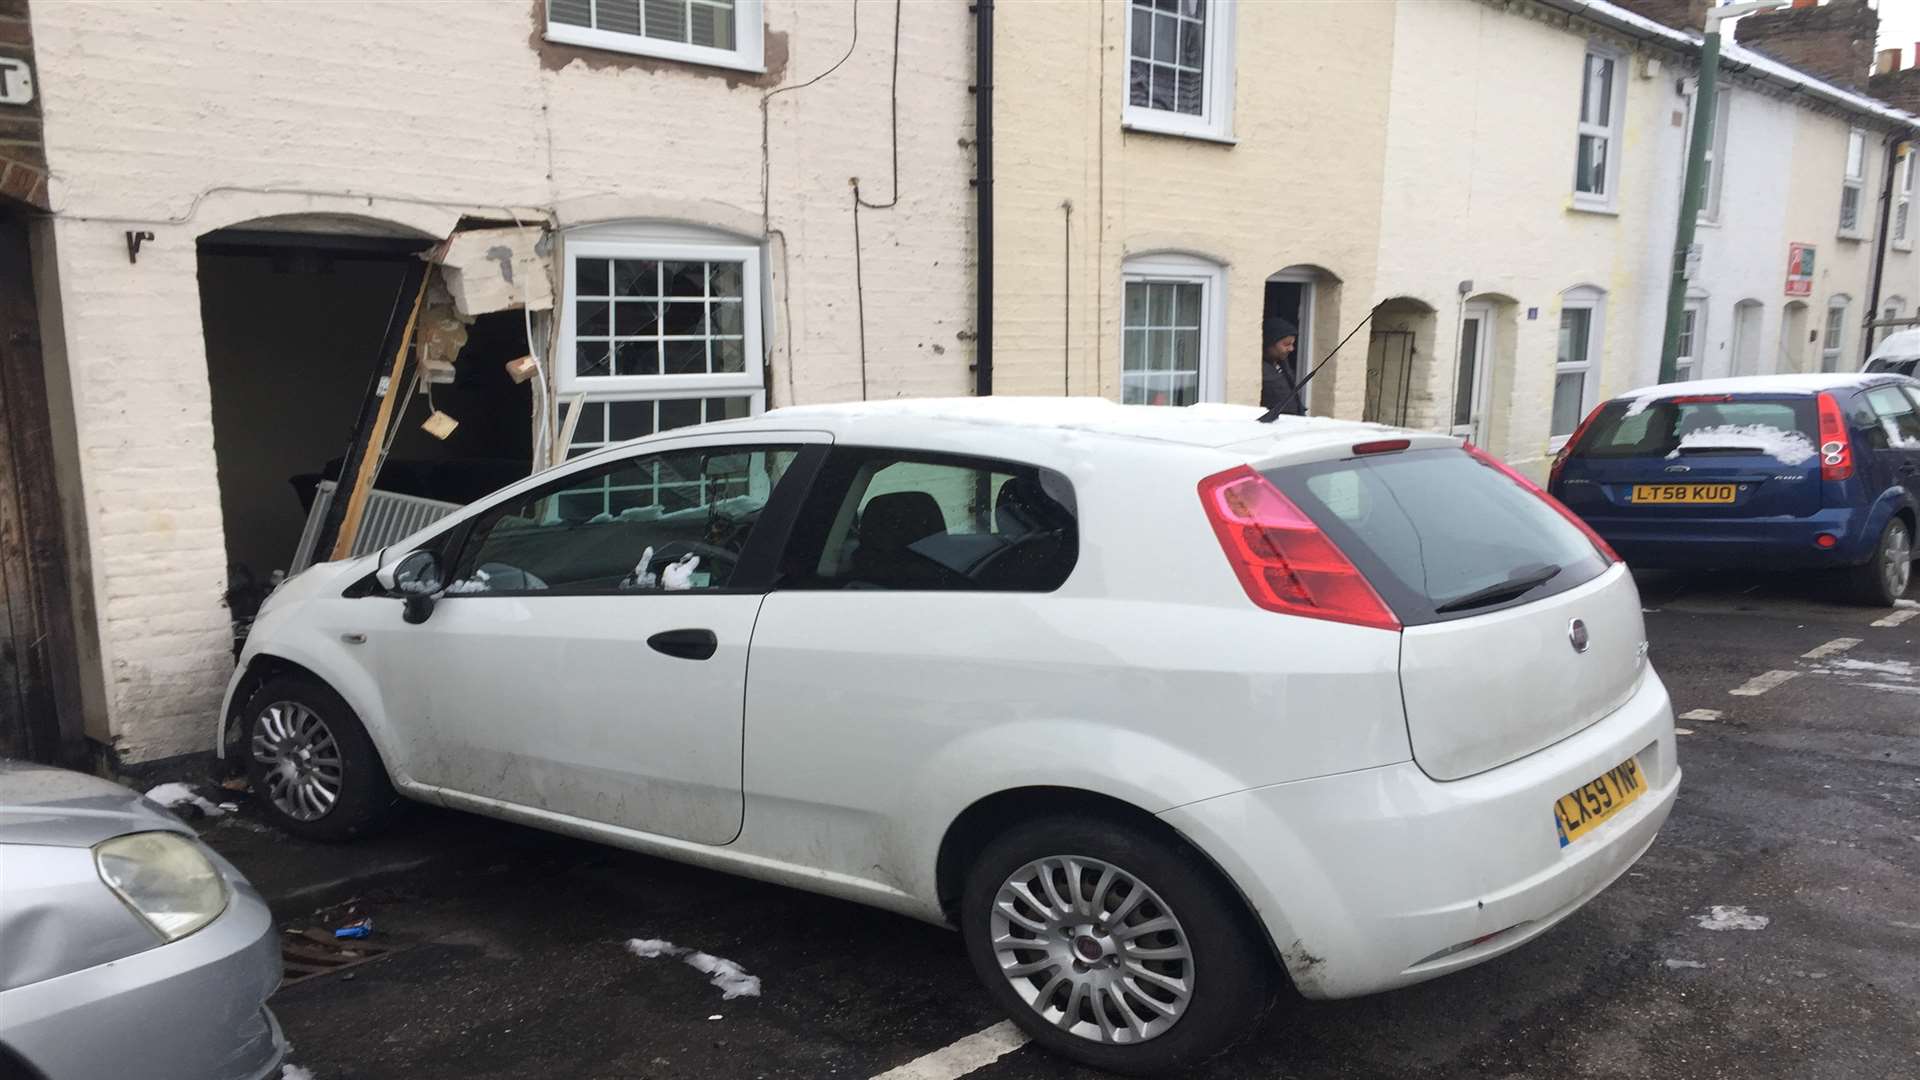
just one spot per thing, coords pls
(685, 644)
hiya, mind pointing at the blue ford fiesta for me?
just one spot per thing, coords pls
(1777, 472)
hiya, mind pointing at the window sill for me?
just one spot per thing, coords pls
(635, 45)
(1852, 237)
(1583, 206)
(1903, 245)
(1141, 126)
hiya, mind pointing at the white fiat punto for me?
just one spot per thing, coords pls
(1160, 707)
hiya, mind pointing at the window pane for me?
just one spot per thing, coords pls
(1159, 350)
(636, 318)
(590, 533)
(629, 420)
(1186, 350)
(1569, 387)
(1849, 208)
(723, 278)
(1576, 330)
(1140, 85)
(666, 19)
(1687, 319)
(1166, 38)
(1134, 350)
(1142, 43)
(590, 277)
(1590, 172)
(593, 318)
(679, 413)
(727, 317)
(636, 277)
(590, 359)
(637, 358)
(619, 16)
(1856, 155)
(684, 278)
(685, 358)
(1136, 309)
(684, 318)
(1900, 213)
(711, 23)
(1596, 94)
(570, 12)
(1469, 358)
(729, 355)
(1165, 88)
(1188, 305)
(882, 520)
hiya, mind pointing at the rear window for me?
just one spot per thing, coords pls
(1784, 429)
(1440, 535)
(1897, 365)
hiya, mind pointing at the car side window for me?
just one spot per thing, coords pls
(672, 522)
(883, 519)
(1899, 417)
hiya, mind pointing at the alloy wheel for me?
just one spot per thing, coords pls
(300, 758)
(1896, 560)
(1092, 949)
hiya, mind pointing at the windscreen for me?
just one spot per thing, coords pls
(1785, 428)
(1440, 535)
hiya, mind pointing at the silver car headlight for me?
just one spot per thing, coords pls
(165, 879)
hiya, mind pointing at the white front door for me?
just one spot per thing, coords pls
(568, 670)
(1471, 374)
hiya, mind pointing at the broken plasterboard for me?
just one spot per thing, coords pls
(496, 269)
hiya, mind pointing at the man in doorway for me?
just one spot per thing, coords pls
(1279, 375)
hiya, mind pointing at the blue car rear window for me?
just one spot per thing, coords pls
(1782, 428)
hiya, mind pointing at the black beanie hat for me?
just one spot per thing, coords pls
(1274, 329)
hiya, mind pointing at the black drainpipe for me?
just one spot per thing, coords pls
(983, 194)
(1880, 246)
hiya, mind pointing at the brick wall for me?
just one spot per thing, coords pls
(1833, 41)
(23, 155)
(1682, 14)
(1900, 89)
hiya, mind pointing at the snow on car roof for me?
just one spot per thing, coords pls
(1900, 343)
(1753, 384)
(1193, 425)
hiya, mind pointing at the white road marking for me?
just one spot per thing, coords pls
(1701, 714)
(1762, 683)
(1837, 645)
(1897, 617)
(976, 1051)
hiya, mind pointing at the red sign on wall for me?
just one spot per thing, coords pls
(1799, 269)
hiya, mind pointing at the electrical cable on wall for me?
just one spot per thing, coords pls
(859, 277)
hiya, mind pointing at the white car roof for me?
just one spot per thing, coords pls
(909, 421)
(1754, 384)
(1901, 344)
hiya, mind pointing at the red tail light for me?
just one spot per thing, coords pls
(1282, 558)
(1507, 470)
(1836, 446)
(1566, 448)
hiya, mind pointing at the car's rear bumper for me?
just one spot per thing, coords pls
(193, 1009)
(1382, 877)
(1780, 543)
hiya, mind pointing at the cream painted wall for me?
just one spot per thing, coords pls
(1841, 266)
(184, 118)
(1479, 187)
(1300, 187)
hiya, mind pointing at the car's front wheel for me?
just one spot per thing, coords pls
(1114, 945)
(311, 763)
(1885, 577)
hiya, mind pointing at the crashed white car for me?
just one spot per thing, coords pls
(1159, 707)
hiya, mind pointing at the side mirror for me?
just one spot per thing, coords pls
(417, 578)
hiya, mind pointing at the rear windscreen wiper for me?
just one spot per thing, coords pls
(1524, 581)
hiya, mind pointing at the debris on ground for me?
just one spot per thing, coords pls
(291, 1071)
(1731, 918)
(358, 928)
(173, 796)
(731, 980)
(1677, 965)
(237, 783)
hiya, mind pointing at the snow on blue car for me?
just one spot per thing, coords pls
(1785, 472)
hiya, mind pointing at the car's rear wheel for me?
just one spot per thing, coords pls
(311, 762)
(1887, 575)
(1114, 946)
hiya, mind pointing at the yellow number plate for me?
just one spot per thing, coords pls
(1684, 493)
(1581, 811)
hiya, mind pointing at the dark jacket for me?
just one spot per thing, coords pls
(1279, 383)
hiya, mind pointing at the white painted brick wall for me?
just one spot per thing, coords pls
(184, 118)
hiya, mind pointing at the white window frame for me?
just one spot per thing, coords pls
(1716, 158)
(1594, 301)
(1215, 122)
(1694, 338)
(1856, 183)
(1612, 131)
(1212, 279)
(662, 242)
(1833, 345)
(748, 52)
(1903, 201)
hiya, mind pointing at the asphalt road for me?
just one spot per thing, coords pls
(1800, 804)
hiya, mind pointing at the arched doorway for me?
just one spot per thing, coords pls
(1793, 337)
(1746, 338)
(1308, 297)
(1399, 363)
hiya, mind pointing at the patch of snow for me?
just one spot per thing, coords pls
(294, 1072)
(728, 977)
(1898, 669)
(475, 584)
(1639, 405)
(176, 795)
(1786, 447)
(1731, 918)
(1676, 965)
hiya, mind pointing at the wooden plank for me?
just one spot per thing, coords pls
(356, 500)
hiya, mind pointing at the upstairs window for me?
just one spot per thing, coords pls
(1902, 202)
(1180, 67)
(720, 33)
(1716, 159)
(1853, 184)
(1596, 165)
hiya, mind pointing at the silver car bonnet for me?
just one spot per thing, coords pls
(53, 807)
